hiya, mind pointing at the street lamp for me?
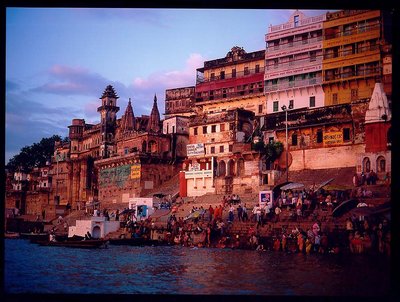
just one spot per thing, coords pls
(284, 108)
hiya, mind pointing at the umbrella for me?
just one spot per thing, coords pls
(344, 207)
(292, 186)
(159, 195)
(323, 184)
(361, 211)
(194, 215)
(331, 187)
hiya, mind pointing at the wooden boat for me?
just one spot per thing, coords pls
(92, 243)
(11, 235)
(34, 236)
(137, 242)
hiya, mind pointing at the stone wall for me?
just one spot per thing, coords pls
(326, 158)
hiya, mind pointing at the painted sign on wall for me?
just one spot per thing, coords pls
(135, 171)
(114, 176)
(331, 138)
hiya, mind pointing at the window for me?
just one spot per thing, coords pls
(346, 134)
(291, 104)
(233, 73)
(212, 76)
(126, 151)
(313, 56)
(195, 131)
(231, 126)
(334, 99)
(260, 108)
(230, 148)
(271, 139)
(354, 94)
(275, 63)
(294, 139)
(319, 136)
(214, 128)
(246, 71)
(221, 127)
(221, 149)
(275, 106)
(296, 20)
(312, 101)
(212, 150)
(222, 75)
(257, 68)
(204, 129)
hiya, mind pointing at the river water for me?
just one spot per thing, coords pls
(30, 268)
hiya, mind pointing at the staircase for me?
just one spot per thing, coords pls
(169, 187)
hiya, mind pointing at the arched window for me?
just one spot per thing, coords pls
(381, 164)
(152, 146)
(231, 168)
(144, 146)
(240, 167)
(366, 164)
(222, 168)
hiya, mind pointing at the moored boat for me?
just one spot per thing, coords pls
(11, 235)
(34, 236)
(137, 242)
(92, 243)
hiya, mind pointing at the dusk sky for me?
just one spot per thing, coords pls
(59, 60)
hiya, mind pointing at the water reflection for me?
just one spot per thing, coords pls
(178, 270)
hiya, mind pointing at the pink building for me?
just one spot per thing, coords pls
(293, 63)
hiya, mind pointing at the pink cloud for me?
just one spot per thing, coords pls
(174, 78)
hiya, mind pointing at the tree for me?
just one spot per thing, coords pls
(271, 151)
(35, 155)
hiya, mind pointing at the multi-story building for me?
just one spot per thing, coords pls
(179, 101)
(220, 158)
(293, 63)
(352, 61)
(235, 81)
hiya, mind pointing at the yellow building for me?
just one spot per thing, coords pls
(351, 55)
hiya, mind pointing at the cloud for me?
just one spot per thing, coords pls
(66, 80)
(157, 83)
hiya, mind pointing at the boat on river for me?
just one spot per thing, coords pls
(34, 236)
(137, 242)
(91, 243)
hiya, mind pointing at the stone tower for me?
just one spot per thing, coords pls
(154, 120)
(108, 113)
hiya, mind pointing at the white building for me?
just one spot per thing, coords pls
(293, 63)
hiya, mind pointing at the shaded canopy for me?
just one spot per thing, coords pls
(344, 207)
(292, 186)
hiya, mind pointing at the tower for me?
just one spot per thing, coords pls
(108, 113)
(154, 120)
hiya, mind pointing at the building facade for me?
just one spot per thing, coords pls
(180, 101)
(351, 55)
(235, 81)
(293, 63)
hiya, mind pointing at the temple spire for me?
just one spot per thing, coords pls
(154, 120)
(128, 120)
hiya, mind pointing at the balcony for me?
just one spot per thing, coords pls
(295, 44)
(200, 79)
(232, 95)
(350, 75)
(293, 84)
(289, 25)
(294, 63)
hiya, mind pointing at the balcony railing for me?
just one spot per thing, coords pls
(295, 63)
(229, 95)
(353, 31)
(288, 25)
(350, 52)
(240, 74)
(294, 44)
(293, 84)
(350, 74)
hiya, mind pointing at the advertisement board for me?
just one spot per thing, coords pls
(264, 197)
(195, 149)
